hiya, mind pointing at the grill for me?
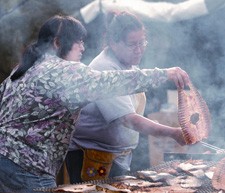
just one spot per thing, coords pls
(206, 182)
(206, 186)
(186, 156)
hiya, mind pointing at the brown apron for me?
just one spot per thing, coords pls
(96, 164)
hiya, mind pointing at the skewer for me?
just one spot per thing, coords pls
(217, 149)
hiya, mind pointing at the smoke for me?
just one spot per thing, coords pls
(197, 45)
(20, 22)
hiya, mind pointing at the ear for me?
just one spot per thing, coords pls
(56, 43)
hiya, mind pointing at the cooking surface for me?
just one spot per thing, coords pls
(155, 179)
(206, 182)
(169, 156)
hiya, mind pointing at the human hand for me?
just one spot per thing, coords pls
(178, 136)
(178, 76)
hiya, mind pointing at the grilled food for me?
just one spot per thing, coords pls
(190, 167)
(138, 183)
(218, 180)
(175, 181)
(88, 188)
(154, 176)
(191, 182)
(193, 115)
(189, 178)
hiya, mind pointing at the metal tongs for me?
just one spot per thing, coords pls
(217, 149)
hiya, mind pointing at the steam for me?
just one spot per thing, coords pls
(198, 46)
(196, 43)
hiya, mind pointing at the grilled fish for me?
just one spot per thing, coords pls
(193, 115)
(218, 178)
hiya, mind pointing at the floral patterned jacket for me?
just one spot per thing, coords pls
(38, 111)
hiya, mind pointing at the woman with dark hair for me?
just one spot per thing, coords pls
(52, 33)
(41, 100)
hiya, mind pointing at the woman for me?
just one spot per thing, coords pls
(41, 100)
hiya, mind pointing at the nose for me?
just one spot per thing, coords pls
(138, 50)
(82, 47)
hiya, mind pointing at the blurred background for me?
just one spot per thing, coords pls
(197, 45)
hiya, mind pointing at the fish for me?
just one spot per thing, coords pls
(193, 115)
(175, 181)
(218, 179)
(154, 176)
(189, 166)
(191, 182)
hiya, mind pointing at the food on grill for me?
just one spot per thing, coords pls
(137, 182)
(175, 181)
(198, 173)
(154, 176)
(167, 189)
(191, 182)
(110, 189)
(142, 186)
(155, 180)
(209, 175)
(171, 171)
(185, 182)
(124, 177)
(193, 115)
(81, 188)
(218, 180)
(188, 166)
(146, 174)
(76, 188)
(210, 171)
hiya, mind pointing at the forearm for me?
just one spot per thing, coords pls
(147, 126)
(96, 85)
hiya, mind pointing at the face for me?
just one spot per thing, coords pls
(75, 54)
(130, 51)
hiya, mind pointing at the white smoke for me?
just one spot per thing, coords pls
(192, 36)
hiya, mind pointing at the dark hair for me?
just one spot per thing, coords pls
(65, 29)
(120, 24)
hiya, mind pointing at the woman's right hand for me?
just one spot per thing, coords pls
(178, 136)
(178, 76)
